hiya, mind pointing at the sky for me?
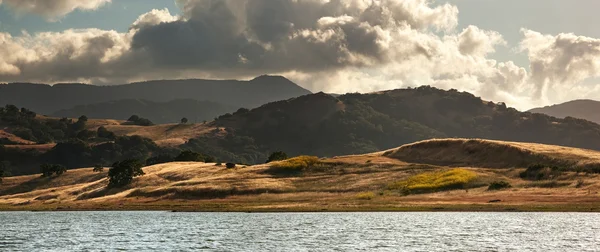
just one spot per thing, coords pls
(525, 53)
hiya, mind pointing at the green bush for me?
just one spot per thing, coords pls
(230, 165)
(498, 185)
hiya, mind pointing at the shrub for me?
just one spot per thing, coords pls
(498, 185)
(277, 156)
(98, 168)
(230, 165)
(580, 183)
(296, 164)
(122, 173)
(365, 196)
(218, 164)
(540, 172)
(51, 169)
(435, 181)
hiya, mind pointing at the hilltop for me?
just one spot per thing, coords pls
(584, 109)
(49, 99)
(377, 181)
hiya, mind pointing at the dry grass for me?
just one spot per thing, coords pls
(164, 134)
(348, 184)
(13, 138)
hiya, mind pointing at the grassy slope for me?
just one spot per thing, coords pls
(162, 134)
(341, 187)
(492, 154)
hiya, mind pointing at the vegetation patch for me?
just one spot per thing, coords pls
(541, 172)
(365, 196)
(499, 185)
(435, 181)
(122, 173)
(297, 165)
(547, 184)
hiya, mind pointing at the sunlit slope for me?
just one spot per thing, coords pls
(491, 154)
(419, 174)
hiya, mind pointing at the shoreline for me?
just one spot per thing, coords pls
(562, 208)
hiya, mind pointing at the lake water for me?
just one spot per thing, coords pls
(166, 231)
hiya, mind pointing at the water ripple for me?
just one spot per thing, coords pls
(165, 231)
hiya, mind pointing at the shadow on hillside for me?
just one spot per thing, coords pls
(41, 183)
(100, 190)
(200, 193)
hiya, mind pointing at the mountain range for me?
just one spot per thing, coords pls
(217, 96)
(584, 109)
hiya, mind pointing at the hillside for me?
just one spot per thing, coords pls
(315, 124)
(46, 99)
(157, 112)
(492, 154)
(584, 109)
(376, 181)
(323, 125)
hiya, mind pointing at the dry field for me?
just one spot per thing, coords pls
(349, 183)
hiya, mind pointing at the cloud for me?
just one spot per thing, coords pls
(152, 18)
(326, 45)
(53, 10)
(560, 61)
(474, 41)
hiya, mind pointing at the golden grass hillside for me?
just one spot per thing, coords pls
(377, 181)
(163, 134)
(492, 154)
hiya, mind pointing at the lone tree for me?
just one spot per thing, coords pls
(51, 169)
(122, 173)
(184, 120)
(277, 156)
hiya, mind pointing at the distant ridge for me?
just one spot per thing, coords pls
(583, 109)
(46, 99)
